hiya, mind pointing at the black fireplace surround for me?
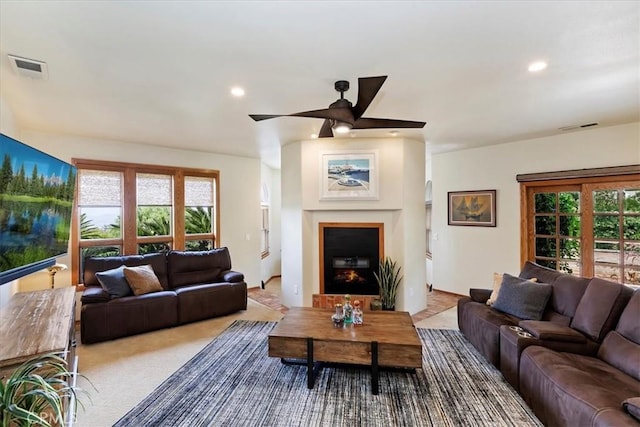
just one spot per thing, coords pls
(351, 255)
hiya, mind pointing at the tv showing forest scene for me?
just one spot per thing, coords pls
(36, 202)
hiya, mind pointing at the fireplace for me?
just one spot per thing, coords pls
(349, 255)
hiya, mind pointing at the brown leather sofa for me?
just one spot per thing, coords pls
(577, 322)
(195, 286)
(568, 389)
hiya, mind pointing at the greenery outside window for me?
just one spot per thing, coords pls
(127, 208)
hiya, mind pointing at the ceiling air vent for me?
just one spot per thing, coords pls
(29, 67)
(574, 127)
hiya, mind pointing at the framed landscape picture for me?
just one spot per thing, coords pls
(349, 176)
(472, 208)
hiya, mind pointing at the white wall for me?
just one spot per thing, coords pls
(466, 257)
(291, 220)
(270, 266)
(239, 192)
(400, 208)
(9, 128)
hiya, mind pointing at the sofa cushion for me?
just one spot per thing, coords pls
(114, 282)
(632, 407)
(522, 298)
(191, 268)
(543, 274)
(621, 348)
(597, 307)
(621, 353)
(142, 279)
(628, 324)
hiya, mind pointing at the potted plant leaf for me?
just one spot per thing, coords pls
(388, 278)
(36, 392)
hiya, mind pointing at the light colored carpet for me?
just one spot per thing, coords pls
(233, 382)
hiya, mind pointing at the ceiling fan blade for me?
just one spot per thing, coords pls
(325, 131)
(259, 117)
(370, 123)
(368, 88)
(335, 113)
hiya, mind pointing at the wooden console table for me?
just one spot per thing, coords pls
(37, 323)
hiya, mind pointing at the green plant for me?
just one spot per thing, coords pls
(388, 278)
(34, 393)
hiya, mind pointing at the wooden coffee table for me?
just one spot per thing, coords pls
(386, 339)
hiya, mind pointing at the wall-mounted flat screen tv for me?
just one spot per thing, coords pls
(36, 203)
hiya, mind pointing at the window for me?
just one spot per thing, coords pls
(556, 229)
(264, 230)
(264, 214)
(584, 225)
(428, 197)
(616, 232)
(428, 227)
(125, 209)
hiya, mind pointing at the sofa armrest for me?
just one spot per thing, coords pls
(543, 330)
(93, 294)
(232, 276)
(480, 295)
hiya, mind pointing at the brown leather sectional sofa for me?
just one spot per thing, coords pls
(195, 286)
(576, 366)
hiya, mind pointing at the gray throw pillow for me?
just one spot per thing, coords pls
(522, 298)
(114, 282)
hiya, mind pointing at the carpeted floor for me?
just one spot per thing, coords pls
(233, 382)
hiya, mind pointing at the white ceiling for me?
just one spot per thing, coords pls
(159, 72)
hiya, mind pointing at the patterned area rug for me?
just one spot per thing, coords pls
(232, 382)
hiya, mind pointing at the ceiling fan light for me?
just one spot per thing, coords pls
(341, 127)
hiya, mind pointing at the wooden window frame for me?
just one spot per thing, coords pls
(129, 240)
(568, 181)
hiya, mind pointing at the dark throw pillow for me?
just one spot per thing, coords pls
(522, 298)
(114, 282)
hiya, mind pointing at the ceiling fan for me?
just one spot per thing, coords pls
(342, 115)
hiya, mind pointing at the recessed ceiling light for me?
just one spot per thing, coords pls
(534, 67)
(314, 135)
(393, 133)
(237, 91)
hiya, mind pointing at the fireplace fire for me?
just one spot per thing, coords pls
(351, 270)
(348, 276)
